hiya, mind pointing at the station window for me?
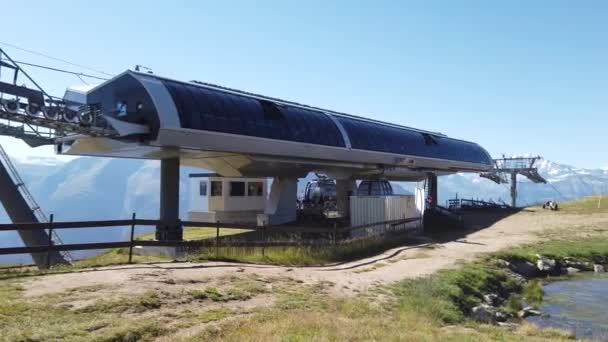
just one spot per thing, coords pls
(202, 188)
(237, 188)
(216, 188)
(255, 189)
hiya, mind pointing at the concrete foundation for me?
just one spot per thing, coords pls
(169, 201)
(281, 204)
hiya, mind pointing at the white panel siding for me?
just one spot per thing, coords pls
(369, 209)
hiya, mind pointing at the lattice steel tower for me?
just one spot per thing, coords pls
(505, 167)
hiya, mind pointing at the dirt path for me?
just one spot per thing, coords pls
(343, 279)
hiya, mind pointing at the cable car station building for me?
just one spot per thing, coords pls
(242, 135)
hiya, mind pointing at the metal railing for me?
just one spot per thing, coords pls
(332, 235)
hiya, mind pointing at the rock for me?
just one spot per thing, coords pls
(581, 265)
(484, 313)
(527, 312)
(524, 268)
(503, 263)
(515, 276)
(572, 270)
(545, 264)
(597, 268)
(500, 316)
(491, 299)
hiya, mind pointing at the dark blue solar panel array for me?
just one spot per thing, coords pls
(218, 111)
(372, 136)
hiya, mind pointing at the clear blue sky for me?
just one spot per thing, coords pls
(516, 77)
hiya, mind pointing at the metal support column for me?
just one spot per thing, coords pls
(513, 188)
(18, 211)
(432, 189)
(171, 229)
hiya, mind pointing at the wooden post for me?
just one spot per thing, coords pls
(263, 239)
(132, 236)
(50, 243)
(335, 233)
(217, 239)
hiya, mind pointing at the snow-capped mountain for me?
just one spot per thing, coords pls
(103, 188)
(565, 182)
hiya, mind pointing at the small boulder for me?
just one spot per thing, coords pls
(597, 268)
(500, 316)
(484, 313)
(572, 270)
(491, 299)
(581, 265)
(527, 312)
(545, 264)
(524, 268)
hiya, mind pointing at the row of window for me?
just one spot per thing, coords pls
(372, 136)
(237, 189)
(214, 110)
(218, 111)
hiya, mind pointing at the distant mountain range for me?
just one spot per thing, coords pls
(102, 188)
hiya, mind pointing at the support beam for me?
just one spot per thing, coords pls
(514, 188)
(281, 203)
(344, 189)
(432, 190)
(19, 211)
(169, 201)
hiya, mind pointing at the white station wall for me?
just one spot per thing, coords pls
(370, 209)
(207, 203)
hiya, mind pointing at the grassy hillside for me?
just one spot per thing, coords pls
(200, 233)
(429, 309)
(587, 205)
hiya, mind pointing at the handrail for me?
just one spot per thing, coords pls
(64, 248)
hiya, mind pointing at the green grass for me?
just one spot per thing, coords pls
(45, 319)
(533, 292)
(133, 304)
(114, 257)
(200, 233)
(418, 310)
(428, 308)
(216, 295)
(587, 205)
(414, 309)
(215, 315)
(592, 249)
(302, 255)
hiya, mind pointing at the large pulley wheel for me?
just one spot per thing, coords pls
(52, 113)
(11, 106)
(71, 116)
(33, 109)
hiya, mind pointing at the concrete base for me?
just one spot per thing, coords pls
(281, 205)
(344, 189)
